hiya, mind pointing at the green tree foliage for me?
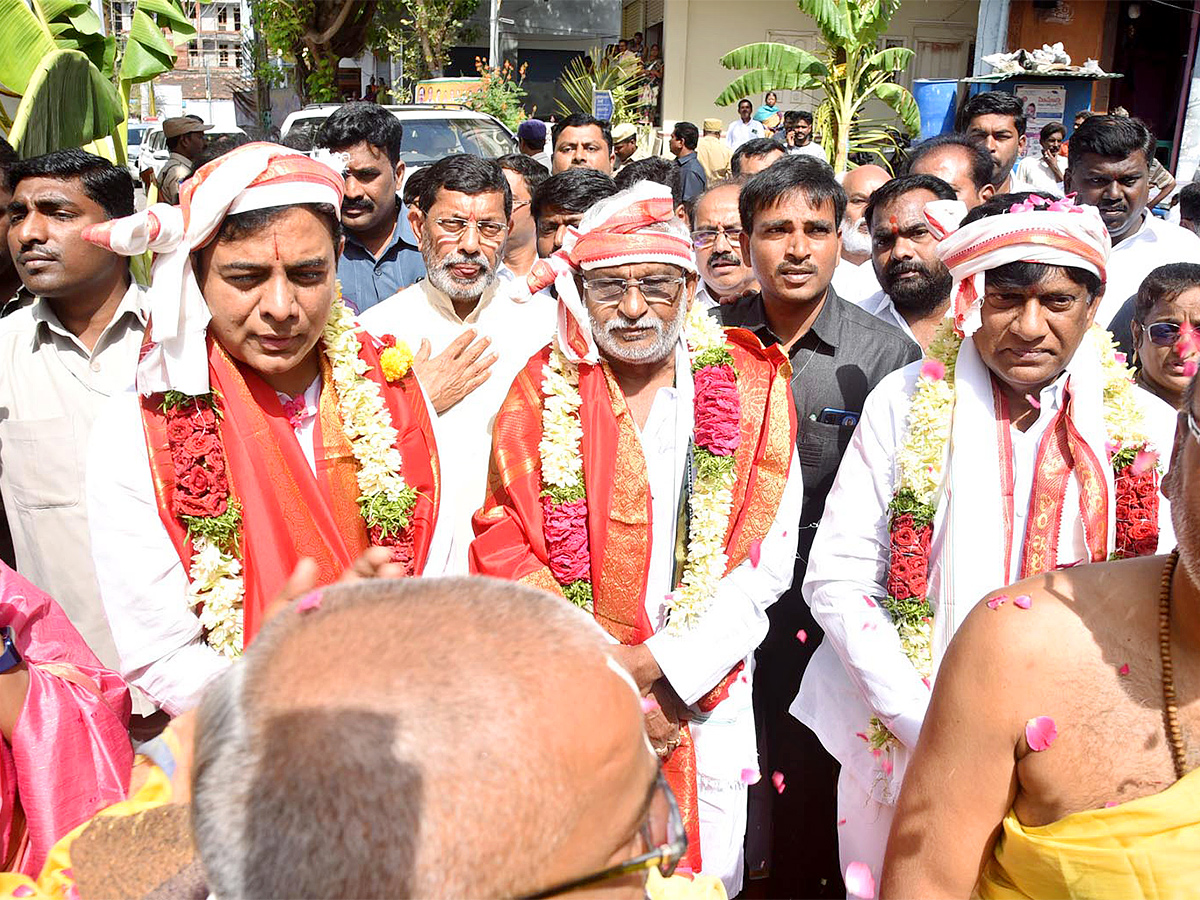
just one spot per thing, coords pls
(850, 71)
(421, 33)
(606, 75)
(501, 94)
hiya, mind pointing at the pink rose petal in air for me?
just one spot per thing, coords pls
(998, 601)
(649, 705)
(1033, 401)
(777, 780)
(1143, 462)
(1040, 732)
(1120, 357)
(1124, 670)
(309, 601)
(870, 602)
(802, 636)
(755, 552)
(859, 881)
(1022, 601)
(751, 776)
(933, 369)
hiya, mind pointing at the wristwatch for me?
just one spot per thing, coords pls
(10, 658)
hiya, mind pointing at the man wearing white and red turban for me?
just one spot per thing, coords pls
(600, 490)
(236, 457)
(1014, 448)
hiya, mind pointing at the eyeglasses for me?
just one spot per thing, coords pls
(1055, 305)
(489, 232)
(1163, 334)
(655, 289)
(703, 239)
(663, 832)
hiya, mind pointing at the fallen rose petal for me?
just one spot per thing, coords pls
(1120, 357)
(755, 552)
(1189, 368)
(870, 602)
(875, 752)
(998, 601)
(24, 890)
(1124, 670)
(309, 601)
(751, 776)
(841, 822)
(649, 705)
(1033, 401)
(925, 681)
(859, 734)
(886, 765)
(1040, 733)
(777, 780)
(1143, 462)
(868, 626)
(802, 636)
(1022, 601)
(1110, 804)
(859, 881)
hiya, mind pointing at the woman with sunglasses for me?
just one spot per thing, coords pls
(1165, 339)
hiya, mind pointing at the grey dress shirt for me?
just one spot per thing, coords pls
(692, 179)
(835, 365)
(366, 279)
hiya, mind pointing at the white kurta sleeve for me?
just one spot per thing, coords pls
(143, 583)
(849, 561)
(694, 661)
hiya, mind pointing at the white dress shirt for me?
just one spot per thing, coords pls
(1036, 173)
(860, 670)
(52, 387)
(855, 282)
(1154, 244)
(739, 132)
(143, 582)
(881, 306)
(519, 325)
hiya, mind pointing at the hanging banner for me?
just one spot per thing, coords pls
(1043, 105)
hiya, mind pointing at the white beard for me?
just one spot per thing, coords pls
(853, 240)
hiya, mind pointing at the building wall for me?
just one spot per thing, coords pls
(697, 33)
(1082, 26)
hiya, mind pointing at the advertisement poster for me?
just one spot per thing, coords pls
(1043, 105)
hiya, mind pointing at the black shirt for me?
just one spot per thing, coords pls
(835, 364)
(692, 179)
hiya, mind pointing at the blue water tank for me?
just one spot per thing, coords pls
(936, 99)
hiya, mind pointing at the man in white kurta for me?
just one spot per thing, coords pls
(706, 664)
(517, 322)
(861, 681)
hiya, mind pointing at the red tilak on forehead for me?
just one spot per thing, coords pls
(894, 225)
(275, 235)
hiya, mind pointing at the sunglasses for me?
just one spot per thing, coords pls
(1163, 334)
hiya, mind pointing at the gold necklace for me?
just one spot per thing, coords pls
(1170, 704)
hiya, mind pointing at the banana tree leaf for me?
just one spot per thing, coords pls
(766, 80)
(894, 59)
(140, 64)
(903, 103)
(875, 21)
(831, 18)
(67, 103)
(167, 14)
(24, 43)
(776, 56)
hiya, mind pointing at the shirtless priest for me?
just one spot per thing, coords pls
(645, 469)
(1061, 752)
(267, 426)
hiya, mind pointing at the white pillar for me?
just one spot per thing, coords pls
(675, 47)
(991, 34)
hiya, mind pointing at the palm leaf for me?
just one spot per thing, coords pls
(903, 103)
(578, 83)
(67, 103)
(766, 80)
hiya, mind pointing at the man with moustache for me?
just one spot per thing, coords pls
(581, 140)
(964, 165)
(790, 214)
(381, 255)
(996, 121)
(1108, 166)
(916, 283)
(562, 199)
(716, 238)
(61, 359)
(602, 490)
(524, 175)
(854, 278)
(462, 220)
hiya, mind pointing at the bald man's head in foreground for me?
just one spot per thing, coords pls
(422, 738)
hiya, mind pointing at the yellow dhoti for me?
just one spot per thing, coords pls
(1149, 847)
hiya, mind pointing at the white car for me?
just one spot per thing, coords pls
(431, 131)
(153, 152)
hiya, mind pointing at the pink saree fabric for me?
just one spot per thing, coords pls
(70, 754)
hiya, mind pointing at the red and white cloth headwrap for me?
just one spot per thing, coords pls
(1062, 234)
(617, 231)
(253, 176)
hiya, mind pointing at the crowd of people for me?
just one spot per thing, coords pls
(589, 519)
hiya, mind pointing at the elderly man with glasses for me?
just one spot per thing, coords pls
(643, 468)
(462, 219)
(716, 237)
